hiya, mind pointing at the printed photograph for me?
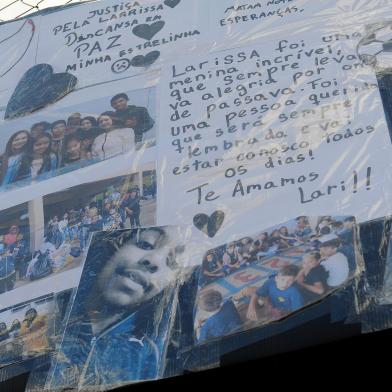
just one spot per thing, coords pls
(266, 277)
(27, 330)
(119, 326)
(76, 137)
(50, 235)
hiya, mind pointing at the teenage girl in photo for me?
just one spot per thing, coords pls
(10, 161)
(38, 160)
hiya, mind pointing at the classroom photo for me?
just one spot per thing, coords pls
(266, 277)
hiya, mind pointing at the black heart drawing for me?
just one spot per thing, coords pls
(172, 3)
(37, 88)
(209, 224)
(147, 31)
(147, 60)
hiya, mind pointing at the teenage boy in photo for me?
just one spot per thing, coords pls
(132, 208)
(131, 116)
(312, 278)
(334, 262)
(224, 319)
(280, 294)
(71, 151)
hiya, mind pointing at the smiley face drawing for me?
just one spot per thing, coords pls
(121, 65)
(14, 46)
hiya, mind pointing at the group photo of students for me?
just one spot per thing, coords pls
(69, 217)
(113, 204)
(26, 331)
(263, 278)
(50, 148)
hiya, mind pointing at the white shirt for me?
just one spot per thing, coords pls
(337, 267)
(63, 224)
(116, 142)
(36, 165)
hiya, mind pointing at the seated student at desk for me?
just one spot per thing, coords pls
(334, 262)
(312, 278)
(211, 269)
(280, 294)
(232, 259)
(225, 318)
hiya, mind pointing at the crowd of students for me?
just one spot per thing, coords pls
(117, 210)
(66, 236)
(48, 149)
(27, 337)
(328, 261)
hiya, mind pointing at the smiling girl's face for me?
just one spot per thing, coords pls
(19, 141)
(41, 145)
(140, 270)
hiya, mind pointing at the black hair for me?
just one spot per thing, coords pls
(289, 270)
(92, 120)
(315, 254)
(67, 139)
(54, 124)
(24, 168)
(8, 152)
(118, 96)
(29, 322)
(15, 325)
(335, 243)
(211, 300)
(44, 124)
(8, 148)
(325, 230)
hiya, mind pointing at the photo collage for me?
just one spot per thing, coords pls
(182, 178)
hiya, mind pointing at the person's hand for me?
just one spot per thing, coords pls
(251, 313)
(131, 122)
(301, 276)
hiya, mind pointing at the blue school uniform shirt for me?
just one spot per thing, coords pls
(303, 232)
(222, 323)
(12, 169)
(7, 266)
(131, 350)
(288, 300)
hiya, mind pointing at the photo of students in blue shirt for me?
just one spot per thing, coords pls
(280, 294)
(225, 318)
(257, 279)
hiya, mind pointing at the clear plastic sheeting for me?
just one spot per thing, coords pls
(204, 176)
